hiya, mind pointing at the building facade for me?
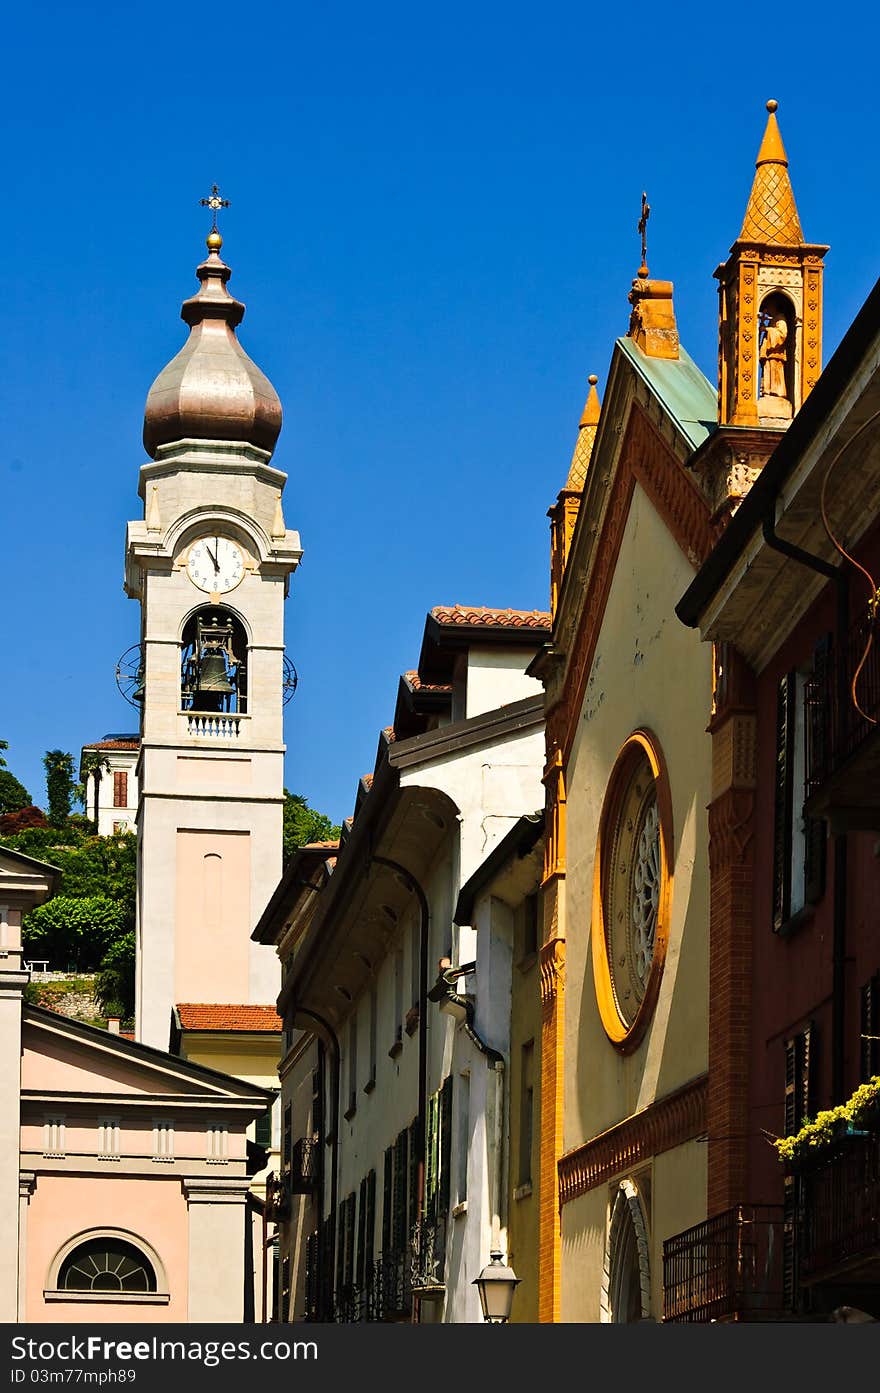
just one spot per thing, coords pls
(108, 774)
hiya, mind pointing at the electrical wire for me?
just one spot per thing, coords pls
(874, 594)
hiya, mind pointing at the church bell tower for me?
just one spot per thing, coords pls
(210, 564)
(770, 290)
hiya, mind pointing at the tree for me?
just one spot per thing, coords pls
(114, 985)
(303, 824)
(13, 794)
(13, 823)
(74, 932)
(59, 785)
(89, 865)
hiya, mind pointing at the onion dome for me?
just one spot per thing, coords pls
(211, 390)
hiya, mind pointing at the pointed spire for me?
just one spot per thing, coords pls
(586, 437)
(771, 214)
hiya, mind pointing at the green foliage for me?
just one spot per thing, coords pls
(303, 824)
(859, 1111)
(59, 785)
(73, 931)
(89, 865)
(114, 985)
(13, 794)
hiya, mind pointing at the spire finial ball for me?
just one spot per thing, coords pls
(213, 241)
(592, 379)
(772, 106)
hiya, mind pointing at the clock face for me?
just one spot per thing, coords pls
(215, 564)
(632, 878)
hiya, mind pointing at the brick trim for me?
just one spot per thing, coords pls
(669, 1122)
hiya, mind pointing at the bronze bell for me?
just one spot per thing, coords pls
(212, 675)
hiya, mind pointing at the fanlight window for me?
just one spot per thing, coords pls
(213, 669)
(106, 1264)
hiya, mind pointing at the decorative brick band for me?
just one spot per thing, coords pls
(671, 1121)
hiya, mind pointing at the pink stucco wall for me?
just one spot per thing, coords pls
(212, 915)
(152, 1209)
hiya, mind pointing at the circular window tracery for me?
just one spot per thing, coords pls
(631, 890)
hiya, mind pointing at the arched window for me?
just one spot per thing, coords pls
(213, 666)
(108, 1265)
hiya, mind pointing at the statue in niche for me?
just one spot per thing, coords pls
(773, 354)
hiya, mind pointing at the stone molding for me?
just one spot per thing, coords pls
(208, 1190)
(667, 1123)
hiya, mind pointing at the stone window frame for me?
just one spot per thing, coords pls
(160, 1297)
(626, 1205)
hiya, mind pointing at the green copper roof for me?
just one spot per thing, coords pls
(687, 395)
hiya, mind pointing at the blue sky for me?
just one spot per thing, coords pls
(433, 228)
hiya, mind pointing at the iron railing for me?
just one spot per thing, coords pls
(836, 725)
(428, 1259)
(304, 1166)
(728, 1268)
(838, 1212)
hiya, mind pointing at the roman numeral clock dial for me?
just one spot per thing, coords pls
(215, 564)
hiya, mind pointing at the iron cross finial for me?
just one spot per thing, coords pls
(215, 203)
(643, 229)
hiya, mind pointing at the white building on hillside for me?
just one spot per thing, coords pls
(108, 772)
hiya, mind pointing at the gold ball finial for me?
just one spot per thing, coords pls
(592, 379)
(772, 106)
(214, 241)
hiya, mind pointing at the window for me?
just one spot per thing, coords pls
(108, 1138)
(106, 1264)
(217, 1139)
(120, 789)
(526, 1111)
(626, 1286)
(398, 1002)
(119, 828)
(464, 1127)
(287, 1136)
(163, 1140)
(53, 1136)
(352, 1067)
(263, 1129)
(798, 842)
(799, 1051)
(374, 1032)
(415, 964)
(869, 1053)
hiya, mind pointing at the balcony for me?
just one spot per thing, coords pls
(728, 1268)
(838, 1214)
(303, 1171)
(843, 740)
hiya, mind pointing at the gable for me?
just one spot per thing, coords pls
(62, 1056)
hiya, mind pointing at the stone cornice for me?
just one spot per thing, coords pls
(669, 1122)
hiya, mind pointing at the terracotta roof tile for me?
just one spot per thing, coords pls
(133, 744)
(419, 686)
(480, 616)
(208, 1016)
(331, 845)
(367, 781)
(389, 734)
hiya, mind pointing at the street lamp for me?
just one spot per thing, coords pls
(496, 1284)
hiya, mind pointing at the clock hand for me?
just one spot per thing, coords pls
(212, 556)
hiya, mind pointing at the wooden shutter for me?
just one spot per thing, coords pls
(120, 789)
(789, 1124)
(400, 1188)
(445, 1187)
(785, 724)
(431, 1159)
(349, 1238)
(805, 1071)
(869, 1014)
(799, 1071)
(387, 1194)
(370, 1221)
(413, 1172)
(361, 1235)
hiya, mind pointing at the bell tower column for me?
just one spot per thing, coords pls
(210, 564)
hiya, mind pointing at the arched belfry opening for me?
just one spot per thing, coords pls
(778, 352)
(213, 663)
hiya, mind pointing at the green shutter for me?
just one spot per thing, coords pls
(431, 1159)
(370, 1221)
(361, 1244)
(445, 1186)
(400, 1189)
(387, 1193)
(413, 1172)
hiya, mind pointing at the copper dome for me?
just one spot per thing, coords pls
(211, 390)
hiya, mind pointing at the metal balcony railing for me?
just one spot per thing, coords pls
(428, 1259)
(838, 1212)
(728, 1268)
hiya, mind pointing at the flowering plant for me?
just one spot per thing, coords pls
(858, 1111)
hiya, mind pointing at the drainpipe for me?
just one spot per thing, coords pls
(838, 958)
(327, 1030)
(444, 993)
(421, 1130)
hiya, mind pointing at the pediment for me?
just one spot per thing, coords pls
(64, 1057)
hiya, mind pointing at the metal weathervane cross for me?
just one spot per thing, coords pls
(215, 203)
(643, 229)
